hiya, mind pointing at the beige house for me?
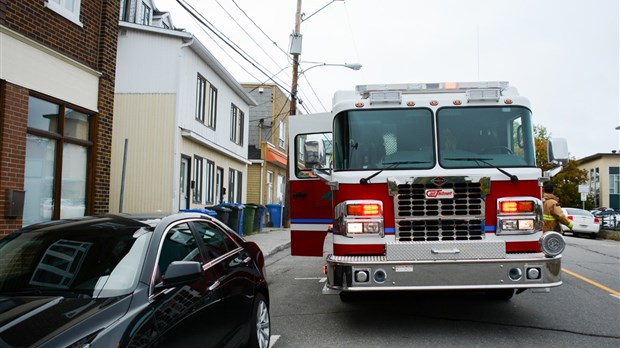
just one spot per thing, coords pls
(267, 144)
(603, 178)
(180, 126)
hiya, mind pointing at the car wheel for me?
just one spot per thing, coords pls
(592, 235)
(260, 328)
(500, 294)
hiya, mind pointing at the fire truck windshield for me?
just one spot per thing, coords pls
(501, 135)
(374, 139)
(377, 138)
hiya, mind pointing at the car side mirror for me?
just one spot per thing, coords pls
(180, 273)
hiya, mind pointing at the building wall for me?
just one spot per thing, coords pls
(255, 179)
(13, 121)
(147, 122)
(46, 53)
(607, 165)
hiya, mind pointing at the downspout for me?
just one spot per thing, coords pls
(176, 166)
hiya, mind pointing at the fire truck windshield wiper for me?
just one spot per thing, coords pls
(512, 177)
(390, 165)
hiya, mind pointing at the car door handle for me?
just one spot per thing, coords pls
(299, 194)
(214, 285)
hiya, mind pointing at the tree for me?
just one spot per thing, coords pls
(567, 181)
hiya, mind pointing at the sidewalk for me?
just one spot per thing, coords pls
(271, 240)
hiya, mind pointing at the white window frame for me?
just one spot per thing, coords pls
(269, 186)
(236, 125)
(280, 188)
(281, 134)
(59, 6)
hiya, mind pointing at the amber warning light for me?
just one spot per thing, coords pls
(363, 209)
(516, 207)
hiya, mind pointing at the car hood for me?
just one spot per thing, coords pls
(35, 320)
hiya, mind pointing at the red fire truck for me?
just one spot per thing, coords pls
(423, 186)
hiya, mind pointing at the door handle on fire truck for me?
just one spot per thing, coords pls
(452, 251)
(299, 194)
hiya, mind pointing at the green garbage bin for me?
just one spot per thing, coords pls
(248, 219)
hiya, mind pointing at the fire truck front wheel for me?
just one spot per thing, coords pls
(500, 294)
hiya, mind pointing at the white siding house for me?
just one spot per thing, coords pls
(180, 121)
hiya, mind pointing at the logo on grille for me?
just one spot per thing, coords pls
(439, 193)
(439, 181)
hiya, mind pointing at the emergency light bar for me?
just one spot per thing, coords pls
(441, 87)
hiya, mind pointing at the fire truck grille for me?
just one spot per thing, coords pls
(422, 219)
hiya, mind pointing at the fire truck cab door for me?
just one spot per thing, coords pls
(310, 143)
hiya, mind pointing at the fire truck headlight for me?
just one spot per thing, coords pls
(552, 244)
(371, 227)
(355, 227)
(358, 227)
(517, 224)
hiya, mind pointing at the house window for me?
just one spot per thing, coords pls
(234, 186)
(197, 196)
(58, 160)
(269, 187)
(281, 134)
(280, 188)
(236, 126)
(210, 182)
(614, 180)
(70, 9)
(145, 14)
(201, 98)
(212, 107)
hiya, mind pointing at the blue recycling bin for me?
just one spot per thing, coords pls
(235, 217)
(275, 212)
(200, 210)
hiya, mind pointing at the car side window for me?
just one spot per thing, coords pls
(217, 242)
(179, 245)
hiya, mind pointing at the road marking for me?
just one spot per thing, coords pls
(592, 282)
(320, 279)
(273, 340)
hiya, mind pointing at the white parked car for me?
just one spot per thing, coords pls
(583, 222)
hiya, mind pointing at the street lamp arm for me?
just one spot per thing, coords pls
(304, 18)
(352, 66)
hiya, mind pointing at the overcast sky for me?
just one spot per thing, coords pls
(561, 54)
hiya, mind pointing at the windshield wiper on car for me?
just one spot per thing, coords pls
(512, 177)
(390, 165)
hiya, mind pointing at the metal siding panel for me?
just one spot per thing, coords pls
(147, 121)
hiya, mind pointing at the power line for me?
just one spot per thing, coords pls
(192, 11)
(260, 29)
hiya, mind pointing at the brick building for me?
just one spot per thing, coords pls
(56, 100)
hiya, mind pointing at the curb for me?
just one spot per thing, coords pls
(277, 249)
(609, 234)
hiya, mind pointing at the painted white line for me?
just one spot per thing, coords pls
(273, 340)
(616, 296)
(310, 278)
(323, 280)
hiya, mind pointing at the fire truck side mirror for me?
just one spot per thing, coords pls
(314, 154)
(557, 151)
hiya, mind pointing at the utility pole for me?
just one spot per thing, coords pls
(295, 55)
(286, 211)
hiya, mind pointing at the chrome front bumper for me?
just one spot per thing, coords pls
(516, 271)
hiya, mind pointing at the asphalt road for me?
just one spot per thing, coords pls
(583, 312)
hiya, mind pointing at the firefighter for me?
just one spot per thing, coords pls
(552, 212)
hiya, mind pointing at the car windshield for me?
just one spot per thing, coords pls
(485, 137)
(102, 260)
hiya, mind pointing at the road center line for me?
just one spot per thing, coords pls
(592, 282)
